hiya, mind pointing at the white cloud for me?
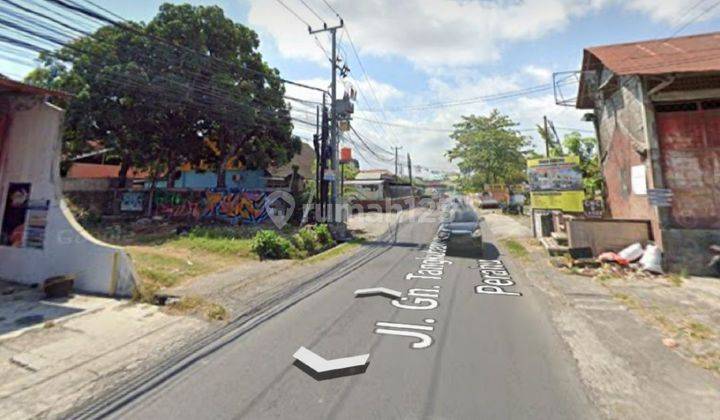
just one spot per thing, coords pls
(436, 34)
(539, 74)
(446, 38)
(428, 147)
(675, 12)
(429, 33)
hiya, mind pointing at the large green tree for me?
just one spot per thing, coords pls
(242, 108)
(110, 105)
(586, 149)
(488, 150)
(155, 93)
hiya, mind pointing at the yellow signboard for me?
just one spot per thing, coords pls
(570, 201)
(556, 183)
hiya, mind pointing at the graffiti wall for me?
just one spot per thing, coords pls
(233, 207)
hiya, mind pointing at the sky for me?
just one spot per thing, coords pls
(419, 52)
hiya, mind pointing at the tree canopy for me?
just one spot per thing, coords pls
(489, 150)
(158, 93)
(586, 149)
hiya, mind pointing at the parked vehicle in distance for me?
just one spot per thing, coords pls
(460, 228)
(487, 201)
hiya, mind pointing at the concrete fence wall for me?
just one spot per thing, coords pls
(51, 243)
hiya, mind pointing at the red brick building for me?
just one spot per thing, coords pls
(657, 112)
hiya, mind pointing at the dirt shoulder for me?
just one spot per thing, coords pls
(645, 346)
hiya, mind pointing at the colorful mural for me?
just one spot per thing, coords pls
(230, 206)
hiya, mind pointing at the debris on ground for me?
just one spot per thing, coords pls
(669, 342)
(607, 257)
(632, 253)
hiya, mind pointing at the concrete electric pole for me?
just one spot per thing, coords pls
(396, 160)
(335, 191)
(410, 170)
(547, 137)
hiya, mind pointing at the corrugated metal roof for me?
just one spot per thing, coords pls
(95, 170)
(373, 174)
(305, 160)
(688, 54)
(7, 85)
(681, 55)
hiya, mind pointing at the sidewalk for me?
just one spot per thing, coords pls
(57, 354)
(618, 330)
(54, 353)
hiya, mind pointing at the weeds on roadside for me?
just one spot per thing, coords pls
(515, 248)
(698, 331)
(199, 306)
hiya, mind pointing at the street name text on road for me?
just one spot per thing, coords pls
(496, 279)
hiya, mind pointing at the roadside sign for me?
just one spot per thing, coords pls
(660, 197)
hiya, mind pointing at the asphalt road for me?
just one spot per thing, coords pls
(491, 355)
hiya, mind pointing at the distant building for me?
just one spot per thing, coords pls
(656, 105)
(236, 177)
(92, 172)
(378, 189)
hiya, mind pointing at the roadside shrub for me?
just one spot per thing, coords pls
(309, 239)
(268, 244)
(299, 247)
(324, 236)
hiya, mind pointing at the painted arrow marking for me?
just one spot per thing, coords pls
(378, 291)
(322, 365)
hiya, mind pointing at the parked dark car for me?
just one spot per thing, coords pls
(460, 228)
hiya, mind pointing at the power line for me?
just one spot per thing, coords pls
(162, 93)
(367, 79)
(332, 9)
(44, 37)
(282, 3)
(477, 99)
(703, 13)
(312, 11)
(78, 9)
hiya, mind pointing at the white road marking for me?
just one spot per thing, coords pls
(321, 365)
(408, 326)
(384, 291)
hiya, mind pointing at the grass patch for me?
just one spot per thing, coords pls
(198, 306)
(710, 361)
(224, 246)
(515, 248)
(627, 300)
(675, 280)
(166, 269)
(334, 252)
(175, 261)
(698, 331)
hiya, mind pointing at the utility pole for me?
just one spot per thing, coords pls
(396, 160)
(546, 137)
(335, 150)
(410, 170)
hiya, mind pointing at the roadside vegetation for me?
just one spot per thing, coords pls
(168, 254)
(308, 241)
(515, 248)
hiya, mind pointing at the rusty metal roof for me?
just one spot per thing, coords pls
(8, 85)
(688, 54)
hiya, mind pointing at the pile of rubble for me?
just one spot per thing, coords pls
(633, 261)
